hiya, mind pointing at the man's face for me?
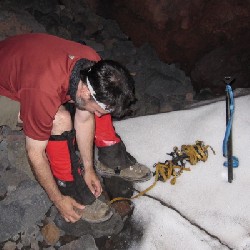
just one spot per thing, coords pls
(84, 101)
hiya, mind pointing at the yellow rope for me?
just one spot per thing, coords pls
(190, 153)
(163, 170)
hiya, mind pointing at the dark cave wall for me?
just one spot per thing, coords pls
(188, 32)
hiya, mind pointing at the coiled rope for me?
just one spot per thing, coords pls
(175, 167)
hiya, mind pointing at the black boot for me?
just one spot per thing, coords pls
(116, 156)
(116, 161)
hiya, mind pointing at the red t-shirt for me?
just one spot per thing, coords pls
(35, 70)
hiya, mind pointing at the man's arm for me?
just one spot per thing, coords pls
(40, 165)
(85, 129)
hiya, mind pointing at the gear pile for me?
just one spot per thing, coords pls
(175, 167)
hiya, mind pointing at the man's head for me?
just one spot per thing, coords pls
(106, 86)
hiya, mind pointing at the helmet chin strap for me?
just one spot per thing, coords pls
(93, 93)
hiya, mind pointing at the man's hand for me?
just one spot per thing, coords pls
(40, 165)
(69, 209)
(93, 182)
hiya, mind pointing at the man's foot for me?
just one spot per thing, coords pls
(135, 173)
(114, 160)
(97, 212)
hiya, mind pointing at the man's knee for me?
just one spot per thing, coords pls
(62, 121)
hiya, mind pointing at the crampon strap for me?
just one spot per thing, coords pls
(175, 167)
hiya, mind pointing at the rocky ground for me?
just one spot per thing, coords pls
(29, 220)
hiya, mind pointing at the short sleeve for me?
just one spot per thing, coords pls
(37, 111)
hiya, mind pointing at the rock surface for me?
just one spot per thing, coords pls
(185, 31)
(85, 242)
(22, 208)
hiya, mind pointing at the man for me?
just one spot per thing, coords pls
(43, 72)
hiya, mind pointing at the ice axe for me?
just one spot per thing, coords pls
(232, 161)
